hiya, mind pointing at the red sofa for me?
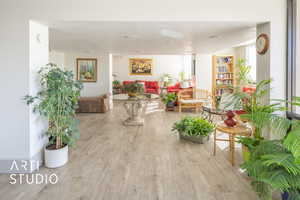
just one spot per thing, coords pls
(150, 86)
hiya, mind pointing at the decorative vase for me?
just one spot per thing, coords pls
(230, 122)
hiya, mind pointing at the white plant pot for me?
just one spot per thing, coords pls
(57, 157)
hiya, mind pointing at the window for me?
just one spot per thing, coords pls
(250, 55)
(293, 56)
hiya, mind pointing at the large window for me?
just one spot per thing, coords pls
(293, 56)
(250, 54)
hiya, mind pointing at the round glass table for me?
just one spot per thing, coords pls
(135, 107)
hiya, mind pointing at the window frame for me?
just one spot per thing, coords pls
(291, 57)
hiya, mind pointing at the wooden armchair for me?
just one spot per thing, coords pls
(193, 98)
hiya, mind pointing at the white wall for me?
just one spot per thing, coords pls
(57, 58)
(92, 88)
(263, 71)
(204, 68)
(14, 85)
(39, 47)
(204, 71)
(162, 64)
(14, 39)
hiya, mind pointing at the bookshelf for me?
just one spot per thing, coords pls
(223, 75)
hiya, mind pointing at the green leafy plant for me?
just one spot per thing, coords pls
(170, 97)
(258, 113)
(243, 73)
(116, 84)
(275, 164)
(134, 88)
(193, 126)
(251, 143)
(57, 101)
(272, 166)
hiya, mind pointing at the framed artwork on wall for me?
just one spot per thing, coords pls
(140, 66)
(86, 69)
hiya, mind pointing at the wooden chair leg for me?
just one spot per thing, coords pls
(215, 137)
(232, 148)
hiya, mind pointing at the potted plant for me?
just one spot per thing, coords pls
(194, 129)
(274, 165)
(255, 112)
(116, 84)
(169, 100)
(134, 89)
(57, 102)
(117, 87)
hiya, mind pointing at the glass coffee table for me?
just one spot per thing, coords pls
(135, 107)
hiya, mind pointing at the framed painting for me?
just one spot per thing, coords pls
(140, 66)
(87, 69)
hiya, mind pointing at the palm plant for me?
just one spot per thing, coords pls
(258, 113)
(275, 164)
(57, 101)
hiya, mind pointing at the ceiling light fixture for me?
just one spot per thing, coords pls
(171, 34)
(213, 37)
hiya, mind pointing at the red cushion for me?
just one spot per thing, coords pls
(152, 91)
(127, 82)
(151, 84)
(249, 90)
(174, 88)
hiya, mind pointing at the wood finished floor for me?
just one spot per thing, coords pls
(113, 162)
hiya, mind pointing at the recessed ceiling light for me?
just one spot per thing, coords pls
(171, 34)
(213, 36)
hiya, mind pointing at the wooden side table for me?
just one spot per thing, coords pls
(232, 132)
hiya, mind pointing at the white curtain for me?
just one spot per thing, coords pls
(187, 66)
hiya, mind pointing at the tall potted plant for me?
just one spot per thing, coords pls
(274, 165)
(57, 101)
(255, 112)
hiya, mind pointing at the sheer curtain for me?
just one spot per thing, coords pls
(187, 66)
(250, 56)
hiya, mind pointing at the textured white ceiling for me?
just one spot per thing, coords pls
(148, 37)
